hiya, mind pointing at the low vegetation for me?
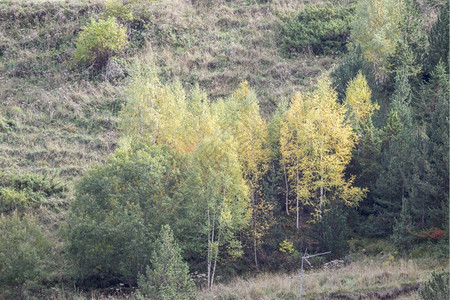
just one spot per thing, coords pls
(367, 277)
(437, 287)
(317, 30)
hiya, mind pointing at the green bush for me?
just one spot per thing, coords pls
(3, 125)
(24, 254)
(100, 40)
(48, 185)
(117, 213)
(19, 191)
(437, 287)
(317, 30)
(10, 199)
(169, 278)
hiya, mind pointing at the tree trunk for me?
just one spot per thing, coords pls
(423, 213)
(215, 262)
(255, 253)
(287, 189)
(209, 258)
(321, 196)
(297, 204)
(254, 229)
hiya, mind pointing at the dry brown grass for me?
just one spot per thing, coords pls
(363, 279)
(357, 278)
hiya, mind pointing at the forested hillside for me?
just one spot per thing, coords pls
(182, 149)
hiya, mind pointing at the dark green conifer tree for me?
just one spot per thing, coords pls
(366, 166)
(332, 231)
(438, 39)
(169, 278)
(401, 234)
(438, 145)
(399, 157)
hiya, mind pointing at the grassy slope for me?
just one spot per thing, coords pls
(58, 121)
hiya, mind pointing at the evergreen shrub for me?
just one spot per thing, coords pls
(437, 287)
(20, 191)
(169, 278)
(317, 30)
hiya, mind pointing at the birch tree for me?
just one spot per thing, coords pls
(358, 102)
(376, 28)
(316, 143)
(154, 111)
(240, 116)
(222, 196)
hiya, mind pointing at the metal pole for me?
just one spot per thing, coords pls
(323, 253)
(305, 257)
(301, 282)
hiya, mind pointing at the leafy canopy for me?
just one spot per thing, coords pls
(316, 143)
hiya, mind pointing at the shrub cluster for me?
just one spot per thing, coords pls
(24, 255)
(437, 287)
(19, 191)
(317, 30)
(100, 40)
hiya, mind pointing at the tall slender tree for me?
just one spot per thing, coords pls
(154, 112)
(240, 115)
(396, 183)
(316, 144)
(358, 102)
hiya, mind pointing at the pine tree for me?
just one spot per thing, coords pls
(169, 278)
(438, 145)
(403, 158)
(438, 39)
(410, 49)
(401, 233)
(366, 166)
(354, 62)
(332, 231)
